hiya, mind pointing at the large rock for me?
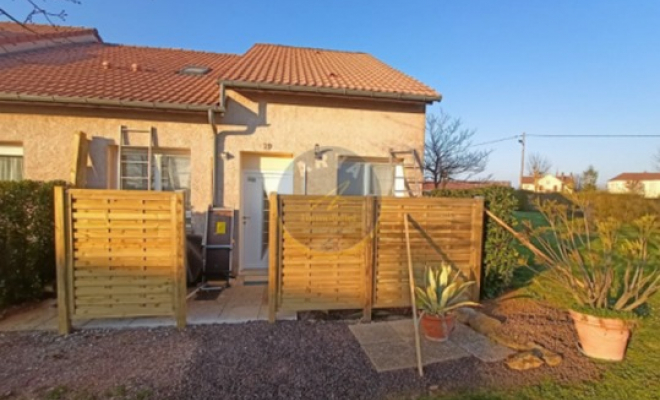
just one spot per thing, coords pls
(551, 358)
(524, 361)
(478, 321)
(508, 341)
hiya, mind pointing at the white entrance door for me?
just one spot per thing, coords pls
(254, 214)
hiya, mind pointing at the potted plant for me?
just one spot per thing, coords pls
(609, 267)
(442, 293)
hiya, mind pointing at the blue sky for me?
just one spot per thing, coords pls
(504, 67)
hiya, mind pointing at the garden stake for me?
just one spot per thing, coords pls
(411, 278)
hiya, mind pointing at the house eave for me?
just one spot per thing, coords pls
(331, 91)
(106, 103)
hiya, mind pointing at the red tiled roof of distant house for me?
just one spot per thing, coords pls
(637, 176)
(461, 185)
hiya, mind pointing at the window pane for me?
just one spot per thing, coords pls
(382, 179)
(134, 184)
(134, 169)
(11, 168)
(350, 178)
(175, 172)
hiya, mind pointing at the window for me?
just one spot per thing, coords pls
(361, 178)
(11, 163)
(170, 170)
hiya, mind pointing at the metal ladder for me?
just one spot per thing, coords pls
(413, 173)
(124, 143)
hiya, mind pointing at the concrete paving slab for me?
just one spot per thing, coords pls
(110, 323)
(154, 322)
(239, 314)
(391, 345)
(375, 333)
(238, 303)
(479, 345)
(390, 356)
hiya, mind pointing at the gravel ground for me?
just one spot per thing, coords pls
(257, 360)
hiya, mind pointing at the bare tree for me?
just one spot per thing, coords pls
(39, 9)
(656, 158)
(589, 179)
(538, 165)
(448, 152)
(635, 187)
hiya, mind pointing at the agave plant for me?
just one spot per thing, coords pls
(443, 291)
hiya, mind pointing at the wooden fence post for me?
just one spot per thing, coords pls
(273, 262)
(413, 305)
(477, 246)
(63, 311)
(178, 225)
(369, 236)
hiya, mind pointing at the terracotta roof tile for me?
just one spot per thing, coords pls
(78, 71)
(318, 68)
(102, 71)
(637, 176)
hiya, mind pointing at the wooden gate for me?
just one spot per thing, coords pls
(119, 254)
(349, 252)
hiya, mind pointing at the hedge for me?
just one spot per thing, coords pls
(501, 256)
(27, 260)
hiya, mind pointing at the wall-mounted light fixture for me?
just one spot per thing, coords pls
(317, 152)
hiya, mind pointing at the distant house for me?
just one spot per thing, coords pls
(558, 183)
(458, 185)
(644, 183)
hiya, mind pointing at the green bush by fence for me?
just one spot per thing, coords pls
(27, 259)
(501, 256)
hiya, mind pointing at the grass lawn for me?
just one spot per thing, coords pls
(636, 378)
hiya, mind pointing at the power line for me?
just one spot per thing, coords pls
(565, 136)
(592, 136)
(497, 140)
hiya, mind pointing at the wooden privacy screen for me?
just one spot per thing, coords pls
(119, 254)
(334, 252)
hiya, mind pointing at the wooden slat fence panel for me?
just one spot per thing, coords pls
(124, 254)
(440, 230)
(322, 243)
(334, 252)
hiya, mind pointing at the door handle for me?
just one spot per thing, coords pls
(245, 218)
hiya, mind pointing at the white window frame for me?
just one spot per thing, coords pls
(154, 166)
(398, 184)
(14, 150)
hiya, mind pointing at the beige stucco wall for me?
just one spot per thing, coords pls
(47, 139)
(286, 124)
(255, 122)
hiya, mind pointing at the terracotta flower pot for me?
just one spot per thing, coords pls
(602, 338)
(437, 328)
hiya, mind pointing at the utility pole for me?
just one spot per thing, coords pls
(522, 141)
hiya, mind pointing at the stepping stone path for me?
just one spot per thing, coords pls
(391, 345)
(532, 354)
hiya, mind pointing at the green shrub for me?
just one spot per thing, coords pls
(622, 207)
(522, 196)
(501, 256)
(27, 260)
